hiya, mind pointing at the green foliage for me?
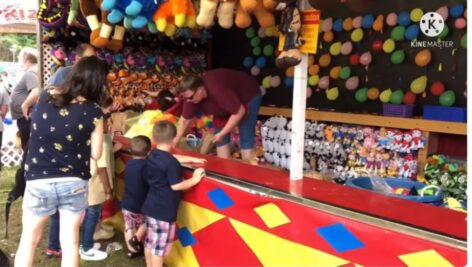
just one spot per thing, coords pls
(12, 40)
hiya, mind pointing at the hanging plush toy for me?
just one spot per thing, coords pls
(58, 56)
(261, 9)
(290, 26)
(225, 13)
(100, 35)
(53, 13)
(174, 13)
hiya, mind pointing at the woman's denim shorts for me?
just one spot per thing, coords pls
(44, 199)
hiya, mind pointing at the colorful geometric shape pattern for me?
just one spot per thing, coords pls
(180, 256)
(339, 237)
(185, 237)
(272, 215)
(220, 199)
(272, 250)
(195, 217)
(425, 258)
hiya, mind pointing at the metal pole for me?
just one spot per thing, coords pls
(298, 115)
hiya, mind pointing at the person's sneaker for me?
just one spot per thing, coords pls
(93, 255)
(103, 234)
(50, 253)
(97, 245)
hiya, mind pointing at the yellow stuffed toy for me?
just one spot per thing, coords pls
(261, 9)
(225, 13)
(174, 13)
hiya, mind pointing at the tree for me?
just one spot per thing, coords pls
(15, 42)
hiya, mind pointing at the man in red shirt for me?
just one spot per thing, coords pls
(232, 97)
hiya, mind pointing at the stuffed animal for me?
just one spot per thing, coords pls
(406, 143)
(174, 13)
(225, 13)
(100, 35)
(290, 26)
(262, 10)
(53, 13)
(416, 141)
(58, 56)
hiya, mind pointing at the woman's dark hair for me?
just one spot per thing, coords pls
(165, 100)
(286, 20)
(191, 82)
(87, 79)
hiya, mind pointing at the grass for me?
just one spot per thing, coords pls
(10, 245)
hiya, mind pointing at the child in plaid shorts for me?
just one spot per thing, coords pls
(136, 189)
(164, 176)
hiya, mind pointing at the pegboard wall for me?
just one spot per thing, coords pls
(46, 60)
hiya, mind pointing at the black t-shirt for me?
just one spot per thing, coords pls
(136, 186)
(163, 171)
(59, 144)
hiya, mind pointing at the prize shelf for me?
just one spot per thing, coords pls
(430, 128)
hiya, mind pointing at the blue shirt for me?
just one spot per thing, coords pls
(60, 76)
(59, 144)
(136, 186)
(163, 171)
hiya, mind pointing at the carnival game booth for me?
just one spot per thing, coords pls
(359, 104)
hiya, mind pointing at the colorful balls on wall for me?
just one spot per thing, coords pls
(326, 25)
(255, 41)
(354, 59)
(456, 10)
(309, 92)
(352, 83)
(268, 50)
(444, 12)
(373, 93)
(447, 99)
(398, 33)
(418, 85)
(367, 21)
(338, 25)
(334, 72)
(261, 33)
(437, 88)
(332, 94)
(248, 62)
(460, 23)
(397, 97)
(313, 80)
(313, 69)
(347, 24)
(275, 81)
(346, 48)
(361, 95)
(250, 33)
(391, 19)
(345, 72)
(409, 98)
(388, 46)
(464, 41)
(378, 23)
(423, 57)
(255, 71)
(289, 72)
(323, 83)
(404, 18)
(266, 82)
(385, 95)
(324, 60)
(357, 22)
(256, 51)
(328, 36)
(335, 49)
(412, 32)
(416, 14)
(288, 81)
(397, 57)
(366, 58)
(444, 32)
(357, 35)
(261, 62)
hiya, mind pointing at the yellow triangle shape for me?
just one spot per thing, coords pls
(195, 217)
(181, 256)
(272, 250)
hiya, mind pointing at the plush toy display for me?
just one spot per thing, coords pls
(58, 56)
(224, 9)
(174, 13)
(53, 13)
(289, 26)
(261, 9)
(100, 35)
(450, 175)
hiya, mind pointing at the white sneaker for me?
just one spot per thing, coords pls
(93, 255)
(97, 245)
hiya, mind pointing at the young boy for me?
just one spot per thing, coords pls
(164, 176)
(100, 190)
(135, 192)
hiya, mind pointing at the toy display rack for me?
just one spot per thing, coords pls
(431, 129)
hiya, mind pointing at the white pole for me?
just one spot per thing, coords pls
(298, 119)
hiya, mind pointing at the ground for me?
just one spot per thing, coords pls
(10, 245)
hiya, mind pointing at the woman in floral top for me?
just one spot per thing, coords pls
(66, 131)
